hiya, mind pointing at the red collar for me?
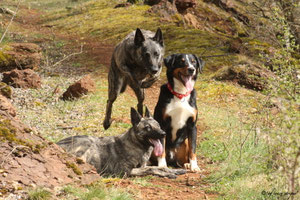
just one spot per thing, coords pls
(178, 95)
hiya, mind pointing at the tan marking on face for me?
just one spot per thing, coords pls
(178, 71)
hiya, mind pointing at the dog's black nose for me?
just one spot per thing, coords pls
(162, 133)
(154, 70)
(191, 71)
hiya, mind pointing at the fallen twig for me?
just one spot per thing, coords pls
(73, 54)
(19, 146)
(7, 11)
(11, 20)
(221, 55)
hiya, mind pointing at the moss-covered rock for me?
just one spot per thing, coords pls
(20, 56)
(74, 167)
(249, 75)
(5, 90)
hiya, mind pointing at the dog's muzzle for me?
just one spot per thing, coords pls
(154, 70)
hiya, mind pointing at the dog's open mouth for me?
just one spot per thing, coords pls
(158, 148)
(187, 81)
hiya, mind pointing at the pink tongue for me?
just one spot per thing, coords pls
(188, 82)
(158, 149)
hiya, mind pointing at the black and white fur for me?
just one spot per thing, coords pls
(137, 62)
(177, 117)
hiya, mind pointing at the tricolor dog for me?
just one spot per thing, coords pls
(176, 111)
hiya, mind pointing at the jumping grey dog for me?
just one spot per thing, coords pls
(125, 154)
(137, 62)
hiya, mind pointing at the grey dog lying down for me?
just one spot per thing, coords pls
(126, 154)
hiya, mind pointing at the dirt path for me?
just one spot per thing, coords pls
(96, 59)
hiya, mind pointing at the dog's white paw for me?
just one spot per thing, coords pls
(194, 166)
(187, 166)
(162, 162)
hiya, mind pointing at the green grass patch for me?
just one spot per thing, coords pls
(234, 141)
(96, 191)
(101, 20)
(39, 194)
(56, 119)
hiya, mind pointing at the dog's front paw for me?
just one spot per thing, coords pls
(187, 165)
(106, 124)
(194, 166)
(162, 162)
(195, 169)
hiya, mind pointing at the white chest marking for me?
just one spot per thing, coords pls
(179, 111)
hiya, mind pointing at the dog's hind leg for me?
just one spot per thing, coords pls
(115, 86)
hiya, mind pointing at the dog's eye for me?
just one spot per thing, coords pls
(148, 128)
(193, 61)
(156, 54)
(147, 55)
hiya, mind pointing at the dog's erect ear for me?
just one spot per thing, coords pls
(200, 63)
(135, 117)
(169, 61)
(147, 113)
(159, 37)
(139, 37)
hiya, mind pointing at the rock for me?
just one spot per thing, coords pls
(236, 46)
(80, 88)
(249, 75)
(30, 160)
(152, 2)
(20, 56)
(183, 5)
(22, 78)
(5, 90)
(6, 106)
(164, 9)
(192, 20)
(122, 5)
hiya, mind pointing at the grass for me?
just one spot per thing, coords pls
(57, 119)
(97, 191)
(39, 194)
(99, 19)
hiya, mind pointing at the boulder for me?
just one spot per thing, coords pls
(22, 78)
(249, 75)
(123, 5)
(84, 86)
(152, 2)
(20, 56)
(183, 5)
(27, 160)
(164, 9)
(6, 106)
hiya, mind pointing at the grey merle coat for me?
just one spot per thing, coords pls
(125, 154)
(137, 62)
